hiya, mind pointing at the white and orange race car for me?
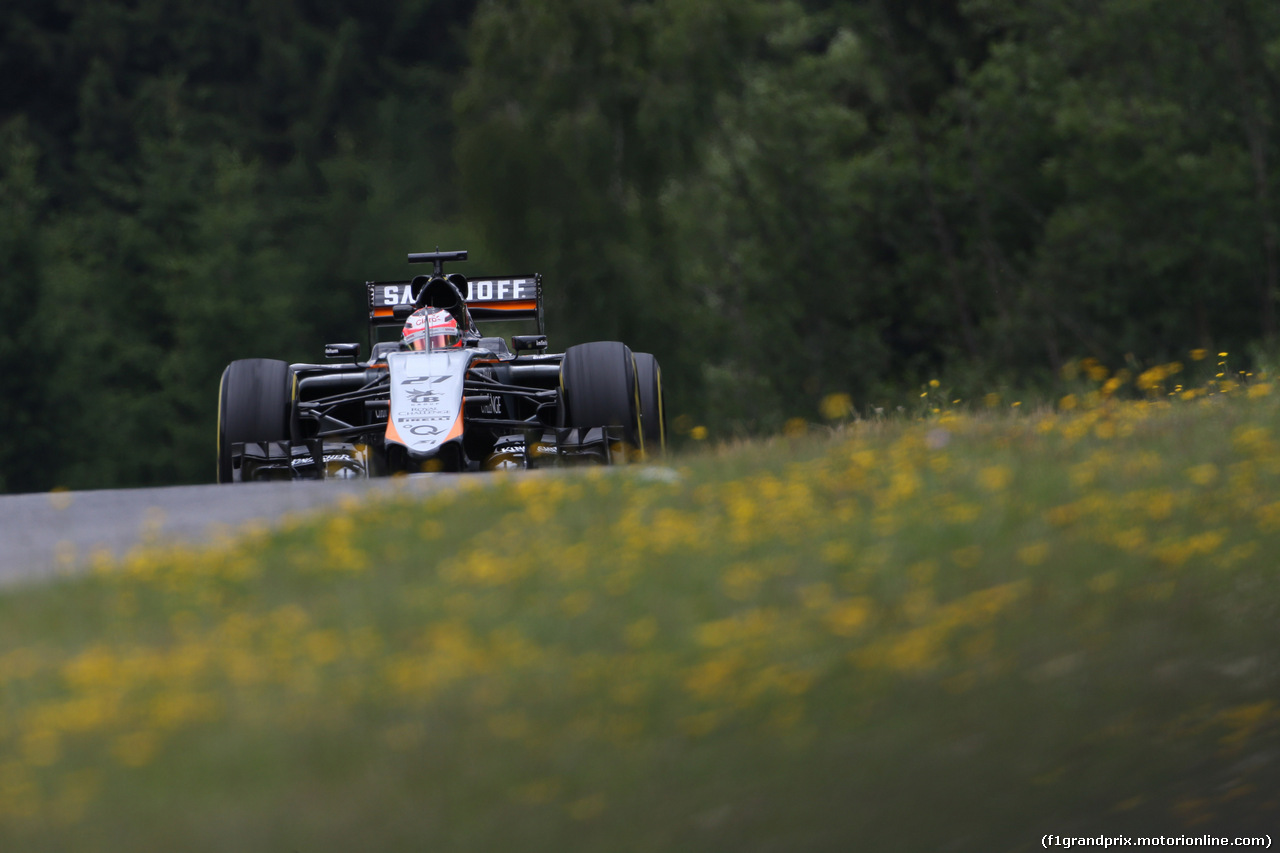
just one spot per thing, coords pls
(442, 397)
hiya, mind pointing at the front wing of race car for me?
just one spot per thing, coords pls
(282, 460)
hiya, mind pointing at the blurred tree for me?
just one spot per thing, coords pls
(213, 182)
(22, 347)
(1155, 234)
(574, 122)
(868, 191)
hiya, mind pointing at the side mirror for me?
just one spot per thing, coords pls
(520, 343)
(351, 351)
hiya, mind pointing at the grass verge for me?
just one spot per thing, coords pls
(957, 633)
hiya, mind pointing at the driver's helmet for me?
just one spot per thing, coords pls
(433, 325)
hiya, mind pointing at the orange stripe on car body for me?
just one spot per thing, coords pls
(524, 305)
(457, 424)
(393, 434)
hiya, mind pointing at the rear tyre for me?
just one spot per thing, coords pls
(254, 399)
(653, 414)
(598, 389)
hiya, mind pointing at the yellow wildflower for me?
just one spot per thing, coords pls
(846, 617)
(1103, 582)
(836, 407)
(1244, 721)
(1033, 554)
(135, 749)
(995, 478)
(1203, 475)
(741, 581)
(40, 748)
(641, 632)
(539, 791)
(586, 808)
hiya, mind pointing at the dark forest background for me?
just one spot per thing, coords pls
(781, 200)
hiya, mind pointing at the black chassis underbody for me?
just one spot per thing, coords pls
(338, 423)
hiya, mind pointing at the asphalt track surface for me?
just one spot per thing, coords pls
(47, 534)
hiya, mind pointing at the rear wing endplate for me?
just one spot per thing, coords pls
(517, 297)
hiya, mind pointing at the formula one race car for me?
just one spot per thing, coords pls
(442, 397)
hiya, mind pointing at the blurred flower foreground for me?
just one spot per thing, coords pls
(1015, 620)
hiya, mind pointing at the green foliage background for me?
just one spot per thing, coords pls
(780, 200)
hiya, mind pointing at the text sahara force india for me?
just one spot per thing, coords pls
(471, 404)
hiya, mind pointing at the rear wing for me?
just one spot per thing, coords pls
(490, 298)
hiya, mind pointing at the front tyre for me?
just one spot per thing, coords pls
(598, 388)
(254, 399)
(653, 414)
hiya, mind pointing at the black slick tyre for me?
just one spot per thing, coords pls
(653, 415)
(598, 388)
(254, 399)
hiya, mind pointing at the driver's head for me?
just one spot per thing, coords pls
(431, 328)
